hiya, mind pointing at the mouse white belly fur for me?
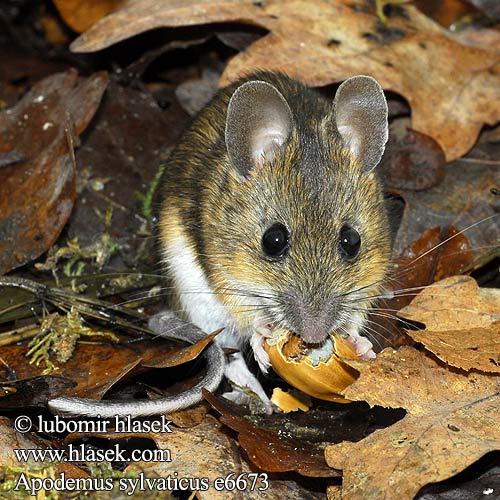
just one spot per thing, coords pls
(196, 297)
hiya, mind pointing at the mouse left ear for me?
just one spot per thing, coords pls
(258, 121)
(360, 113)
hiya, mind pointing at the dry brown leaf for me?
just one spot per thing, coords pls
(284, 451)
(416, 382)
(10, 440)
(464, 199)
(80, 16)
(325, 42)
(462, 323)
(452, 421)
(94, 368)
(411, 161)
(182, 354)
(38, 185)
(206, 452)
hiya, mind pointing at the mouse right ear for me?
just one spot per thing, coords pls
(258, 121)
(360, 113)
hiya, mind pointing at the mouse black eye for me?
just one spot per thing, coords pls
(350, 241)
(275, 241)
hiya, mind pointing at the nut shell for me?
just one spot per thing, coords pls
(290, 359)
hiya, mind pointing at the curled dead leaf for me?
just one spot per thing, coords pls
(182, 355)
(462, 323)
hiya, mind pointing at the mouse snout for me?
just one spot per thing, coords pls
(312, 319)
(313, 331)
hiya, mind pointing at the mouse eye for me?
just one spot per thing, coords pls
(275, 241)
(350, 242)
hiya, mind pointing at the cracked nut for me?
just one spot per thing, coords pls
(302, 365)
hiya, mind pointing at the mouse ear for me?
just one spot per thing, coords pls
(258, 121)
(360, 112)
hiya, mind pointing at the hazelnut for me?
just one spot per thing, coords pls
(302, 365)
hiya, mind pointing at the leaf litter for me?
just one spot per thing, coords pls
(217, 449)
(323, 43)
(39, 183)
(462, 323)
(411, 379)
(452, 421)
(449, 409)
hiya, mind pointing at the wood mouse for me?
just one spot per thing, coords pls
(272, 215)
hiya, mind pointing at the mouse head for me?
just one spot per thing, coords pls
(305, 240)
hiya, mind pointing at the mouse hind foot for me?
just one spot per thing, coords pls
(243, 381)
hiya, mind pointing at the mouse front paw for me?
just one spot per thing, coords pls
(257, 343)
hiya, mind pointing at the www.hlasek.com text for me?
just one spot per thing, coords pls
(83, 453)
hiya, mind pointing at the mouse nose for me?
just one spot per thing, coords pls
(310, 315)
(313, 330)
